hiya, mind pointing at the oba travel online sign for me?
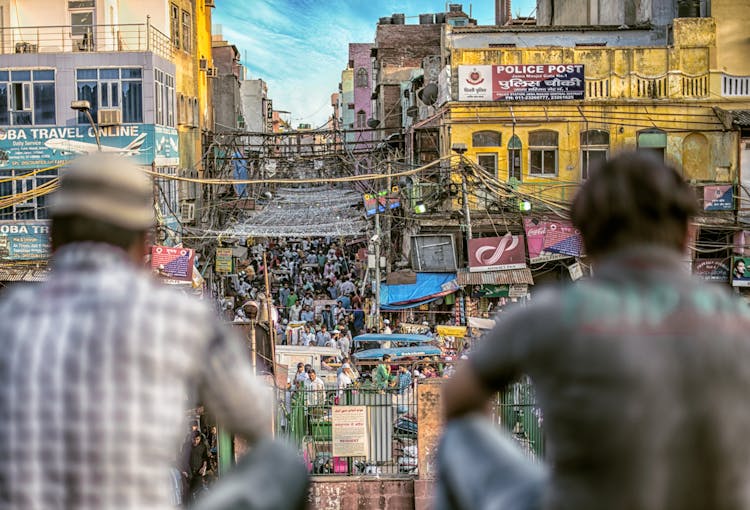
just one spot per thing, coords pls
(533, 82)
(42, 146)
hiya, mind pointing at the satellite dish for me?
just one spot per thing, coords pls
(428, 94)
(373, 123)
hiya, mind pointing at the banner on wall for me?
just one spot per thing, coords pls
(529, 82)
(497, 253)
(550, 240)
(24, 240)
(35, 147)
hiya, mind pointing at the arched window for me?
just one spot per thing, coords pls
(361, 119)
(361, 78)
(543, 152)
(594, 150)
(514, 158)
(486, 139)
(696, 157)
(653, 140)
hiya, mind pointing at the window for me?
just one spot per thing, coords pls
(118, 88)
(653, 140)
(168, 191)
(164, 98)
(484, 196)
(82, 23)
(187, 32)
(35, 208)
(27, 97)
(361, 78)
(514, 158)
(361, 119)
(543, 153)
(486, 139)
(594, 150)
(174, 25)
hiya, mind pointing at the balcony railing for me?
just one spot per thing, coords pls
(97, 38)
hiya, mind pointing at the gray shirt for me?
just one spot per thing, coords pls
(643, 375)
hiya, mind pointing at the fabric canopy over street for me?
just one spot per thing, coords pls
(429, 287)
(504, 277)
(305, 212)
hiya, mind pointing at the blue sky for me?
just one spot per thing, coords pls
(299, 47)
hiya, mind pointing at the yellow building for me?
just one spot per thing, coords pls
(658, 97)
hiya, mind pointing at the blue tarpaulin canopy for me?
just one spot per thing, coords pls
(428, 287)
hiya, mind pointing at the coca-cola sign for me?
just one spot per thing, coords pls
(495, 253)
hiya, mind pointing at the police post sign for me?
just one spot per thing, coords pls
(533, 82)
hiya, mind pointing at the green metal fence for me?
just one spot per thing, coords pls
(516, 410)
(305, 419)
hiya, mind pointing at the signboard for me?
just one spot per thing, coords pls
(741, 271)
(530, 82)
(349, 431)
(24, 240)
(518, 290)
(495, 253)
(382, 201)
(175, 263)
(36, 147)
(714, 270)
(718, 198)
(223, 260)
(455, 331)
(551, 240)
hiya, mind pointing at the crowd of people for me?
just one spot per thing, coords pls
(316, 286)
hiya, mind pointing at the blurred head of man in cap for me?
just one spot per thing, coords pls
(103, 199)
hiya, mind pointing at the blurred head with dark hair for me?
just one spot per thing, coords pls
(633, 199)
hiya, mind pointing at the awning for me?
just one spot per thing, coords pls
(504, 277)
(428, 287)
(23, 274)
(741, 118)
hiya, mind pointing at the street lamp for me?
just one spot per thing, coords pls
(85, 107)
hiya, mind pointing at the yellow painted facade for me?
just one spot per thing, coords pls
(635, 97)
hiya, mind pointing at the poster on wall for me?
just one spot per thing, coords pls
(713, 270)
(24, 240)
(349, 431)
(741, 271)
(497, 253)
(718, 198)
(527, 82)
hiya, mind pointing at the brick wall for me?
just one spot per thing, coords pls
(361, 493)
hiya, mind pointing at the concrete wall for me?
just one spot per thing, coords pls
(361, 493)
(359, 54)
(226, 95)
(526, 38)
(604, 12)
(732, 40)
(252, 95)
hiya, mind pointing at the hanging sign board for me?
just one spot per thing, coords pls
(223, 260)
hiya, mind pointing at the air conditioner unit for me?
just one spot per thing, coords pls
(187, 212)
(25, 47)
(212, 72)
(109, 117)
(203, 64)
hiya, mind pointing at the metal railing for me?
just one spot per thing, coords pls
(304, 417)
(95, 38)
(516, 410)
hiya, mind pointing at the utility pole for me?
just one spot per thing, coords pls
(387, 233)
(269, 308)
(465, 199)
(376, 242)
